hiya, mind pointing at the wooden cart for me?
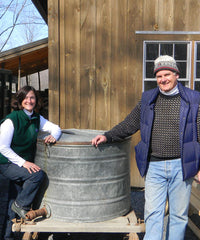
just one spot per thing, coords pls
(125, 224)
(194, 206)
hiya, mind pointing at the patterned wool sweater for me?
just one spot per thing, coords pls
(165, 142)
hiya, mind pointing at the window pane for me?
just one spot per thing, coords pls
(198, 70)
(149, 85)
(182, 68)
(166, 49)
(197, 86)
(197, 66)
(149, 70)
(180, 52)
(198, 51)
(151, 51)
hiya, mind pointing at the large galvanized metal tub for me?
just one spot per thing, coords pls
(86, 184)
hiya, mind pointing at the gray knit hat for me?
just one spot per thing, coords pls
(165, 62)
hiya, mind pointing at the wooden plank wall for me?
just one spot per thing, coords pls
(95, 57)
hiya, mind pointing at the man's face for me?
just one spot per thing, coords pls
(166, 80)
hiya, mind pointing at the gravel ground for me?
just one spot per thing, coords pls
(137, 202)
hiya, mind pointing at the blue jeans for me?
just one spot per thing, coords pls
(164, 180)
(30, 182)
(23, 189)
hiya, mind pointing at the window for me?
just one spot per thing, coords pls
(197, 67)
(181, 51)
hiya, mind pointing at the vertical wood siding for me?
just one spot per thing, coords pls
(96, 58)
(88, 62)
(54, 60)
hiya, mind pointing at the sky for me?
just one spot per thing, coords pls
(29, 26)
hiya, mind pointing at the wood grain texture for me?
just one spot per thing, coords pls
(96, 57)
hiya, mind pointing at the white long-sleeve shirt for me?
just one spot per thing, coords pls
(7, 131)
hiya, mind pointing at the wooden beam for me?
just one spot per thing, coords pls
(123, 224)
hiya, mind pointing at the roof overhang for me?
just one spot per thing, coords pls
(27, 59)
(42, 6)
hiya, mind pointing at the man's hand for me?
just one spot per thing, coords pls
(99, 139)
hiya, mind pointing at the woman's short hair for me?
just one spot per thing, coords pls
(21, 95)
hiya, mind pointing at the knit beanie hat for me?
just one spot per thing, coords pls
(165, 62)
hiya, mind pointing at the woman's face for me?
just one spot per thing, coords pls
(29, 102)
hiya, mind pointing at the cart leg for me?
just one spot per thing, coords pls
(35, 236)
(133, 236)
(27, 236)
(30, 236)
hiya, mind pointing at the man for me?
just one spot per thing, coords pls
(168, 118)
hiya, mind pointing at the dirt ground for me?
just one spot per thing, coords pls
(137, 203)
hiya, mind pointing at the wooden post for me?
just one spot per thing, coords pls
(19, 73)
(39, 81)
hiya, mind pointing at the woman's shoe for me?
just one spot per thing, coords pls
(20, 211)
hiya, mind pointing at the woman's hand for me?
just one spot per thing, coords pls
(31, 167)
(49, 139)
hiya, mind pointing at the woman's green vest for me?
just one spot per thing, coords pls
(25, 135)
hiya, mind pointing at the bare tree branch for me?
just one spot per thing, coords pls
(18, 16)
(14, 25)
(6, 9)
(21, 23)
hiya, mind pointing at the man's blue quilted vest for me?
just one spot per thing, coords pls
(190, 148)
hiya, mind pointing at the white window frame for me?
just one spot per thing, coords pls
(195, 63)
(188, 61)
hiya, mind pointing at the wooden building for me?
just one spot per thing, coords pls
(101, 56)
(18, 63)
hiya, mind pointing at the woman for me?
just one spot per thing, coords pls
(18, 137)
